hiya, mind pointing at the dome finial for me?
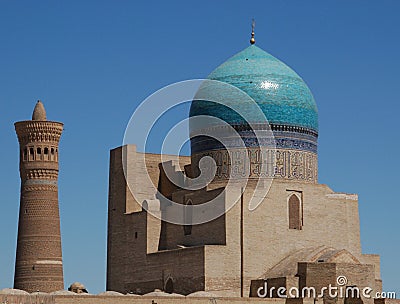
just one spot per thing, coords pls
(39, 113)
(253, 25)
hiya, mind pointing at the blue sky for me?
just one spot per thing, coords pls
(93, 62)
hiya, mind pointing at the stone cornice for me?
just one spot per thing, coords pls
(38, 131)
(255, 126)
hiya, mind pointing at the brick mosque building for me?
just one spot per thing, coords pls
(301, 234)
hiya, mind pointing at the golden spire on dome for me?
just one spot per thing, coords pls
(39, 113)
(253, 25)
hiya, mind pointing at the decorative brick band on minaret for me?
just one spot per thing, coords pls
(38, 265)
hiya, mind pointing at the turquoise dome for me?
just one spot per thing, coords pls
(281, 94)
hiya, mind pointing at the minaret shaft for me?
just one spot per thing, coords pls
(38, 264)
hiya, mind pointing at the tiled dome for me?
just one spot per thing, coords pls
(281, 94)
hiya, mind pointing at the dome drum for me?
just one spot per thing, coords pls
(290, 111)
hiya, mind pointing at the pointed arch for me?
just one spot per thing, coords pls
(169, 286)
(295, 212)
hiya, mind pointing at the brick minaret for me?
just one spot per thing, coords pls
(38, 263)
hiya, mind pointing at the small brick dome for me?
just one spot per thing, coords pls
(39, 113)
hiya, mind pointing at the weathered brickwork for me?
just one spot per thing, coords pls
(38, 264)
(224, 256)
(132, 299)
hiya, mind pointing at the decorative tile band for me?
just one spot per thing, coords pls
(280, 140)
(263, 163)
